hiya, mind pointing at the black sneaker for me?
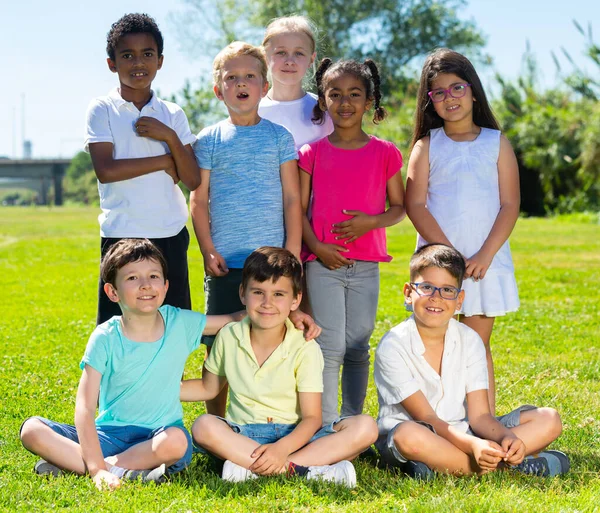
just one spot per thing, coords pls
(546, 464)
(156, 475)
(43, 468)
(417, 470)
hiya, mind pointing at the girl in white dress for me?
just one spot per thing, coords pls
(463, 188)
(290, 45)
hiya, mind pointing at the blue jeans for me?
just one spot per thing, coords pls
(344, 304)
(117, 439)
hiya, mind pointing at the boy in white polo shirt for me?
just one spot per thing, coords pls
(141, 148)
(273, 422)
(431, 378)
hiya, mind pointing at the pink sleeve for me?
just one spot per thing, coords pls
(394, 161)
(306, 158)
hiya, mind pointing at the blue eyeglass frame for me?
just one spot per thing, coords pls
(415, 286)
(447, 92)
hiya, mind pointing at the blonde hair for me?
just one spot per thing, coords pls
(238, 49)
(288, 24)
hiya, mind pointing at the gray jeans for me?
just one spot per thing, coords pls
(344, 304)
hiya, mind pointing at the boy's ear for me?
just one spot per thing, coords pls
(460, 299)
(296, 302)
(406, 291)
(111, 292)
(218, 93)
(111, 65)
(242, 295)
(265, 88)
(160, 61)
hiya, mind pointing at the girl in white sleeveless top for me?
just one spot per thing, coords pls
(463, 188)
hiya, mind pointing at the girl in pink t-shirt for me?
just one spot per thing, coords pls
(350, 175)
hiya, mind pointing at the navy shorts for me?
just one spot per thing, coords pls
(117, 439)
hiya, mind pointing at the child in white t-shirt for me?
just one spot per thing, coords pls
(431, 378)
(290, 45)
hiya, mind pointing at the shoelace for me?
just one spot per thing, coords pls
(537, 466)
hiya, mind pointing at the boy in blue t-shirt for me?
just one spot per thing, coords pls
(132, 369)
(249, 179)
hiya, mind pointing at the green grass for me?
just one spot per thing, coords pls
(548, 353)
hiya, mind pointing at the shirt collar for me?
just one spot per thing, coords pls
(450, 339)
(117, 99)
(241, 331)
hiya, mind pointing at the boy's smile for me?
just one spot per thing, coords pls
(140, 287)
(433, 312)
(242, 87)
(136, 62)
(269, 303)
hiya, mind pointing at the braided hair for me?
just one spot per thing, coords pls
(367, 72)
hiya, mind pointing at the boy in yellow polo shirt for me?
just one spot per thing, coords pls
(273, 422)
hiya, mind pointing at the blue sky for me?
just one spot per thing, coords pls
(55, 57)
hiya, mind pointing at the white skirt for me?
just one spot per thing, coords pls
(493, 296)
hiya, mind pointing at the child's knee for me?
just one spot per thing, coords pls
(175, 444)
(31, 432)
(410, 439)
(551, 421)
(366, 429)
(201, 429)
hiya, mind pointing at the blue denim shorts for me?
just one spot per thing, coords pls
(270, 433)
(392, 456)
(117, 439)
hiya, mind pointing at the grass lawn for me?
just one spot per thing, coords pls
(547, 354)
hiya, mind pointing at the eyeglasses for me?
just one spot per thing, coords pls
(456, 91)
(427, 289)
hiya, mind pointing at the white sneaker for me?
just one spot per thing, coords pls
(340, 473)
(235, 473)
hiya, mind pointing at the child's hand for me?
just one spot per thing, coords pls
(153, 128)
(352, 229)
(306, 323)
(330, 256)
(514, 448)
(103, 479)
(478, 265)
(270, 459)
(214, 263)
(487, 454)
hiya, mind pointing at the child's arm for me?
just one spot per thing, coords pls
(292, 212)
(487, 426)
(109, 169)
(85, 411)
(417, 184)
(214, 263)
(215, 322)
(362, 223)
(487, 453)
(183, 156)
(510, 202)
(271, 458)
(329, 254)
(203, 389)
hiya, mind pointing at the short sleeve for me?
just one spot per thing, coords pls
(394, 161)
(204, 148)
(477, 372)
(393, 377)
(97, 129)
(182, 127)
(306, 158)
(215, 362)
(194, 323)
(309, 371)
(96, 351)
(287, 148)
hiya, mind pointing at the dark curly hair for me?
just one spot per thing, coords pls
(134, 23)
(366, 71)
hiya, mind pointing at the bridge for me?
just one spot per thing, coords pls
(36, 174)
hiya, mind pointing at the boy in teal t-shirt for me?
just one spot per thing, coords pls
(132, 369)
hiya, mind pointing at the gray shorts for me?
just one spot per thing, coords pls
(392, 456)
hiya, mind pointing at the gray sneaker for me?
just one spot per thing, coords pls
(546, 464)
(156, 475)
(43, 468)
(235, 473)
(340, 473)
(417, 470)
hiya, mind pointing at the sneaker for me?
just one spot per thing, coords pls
(156, 475)
(340, 473)
(235, 473)
(546, 464)
(43, 468)
(417, 470)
